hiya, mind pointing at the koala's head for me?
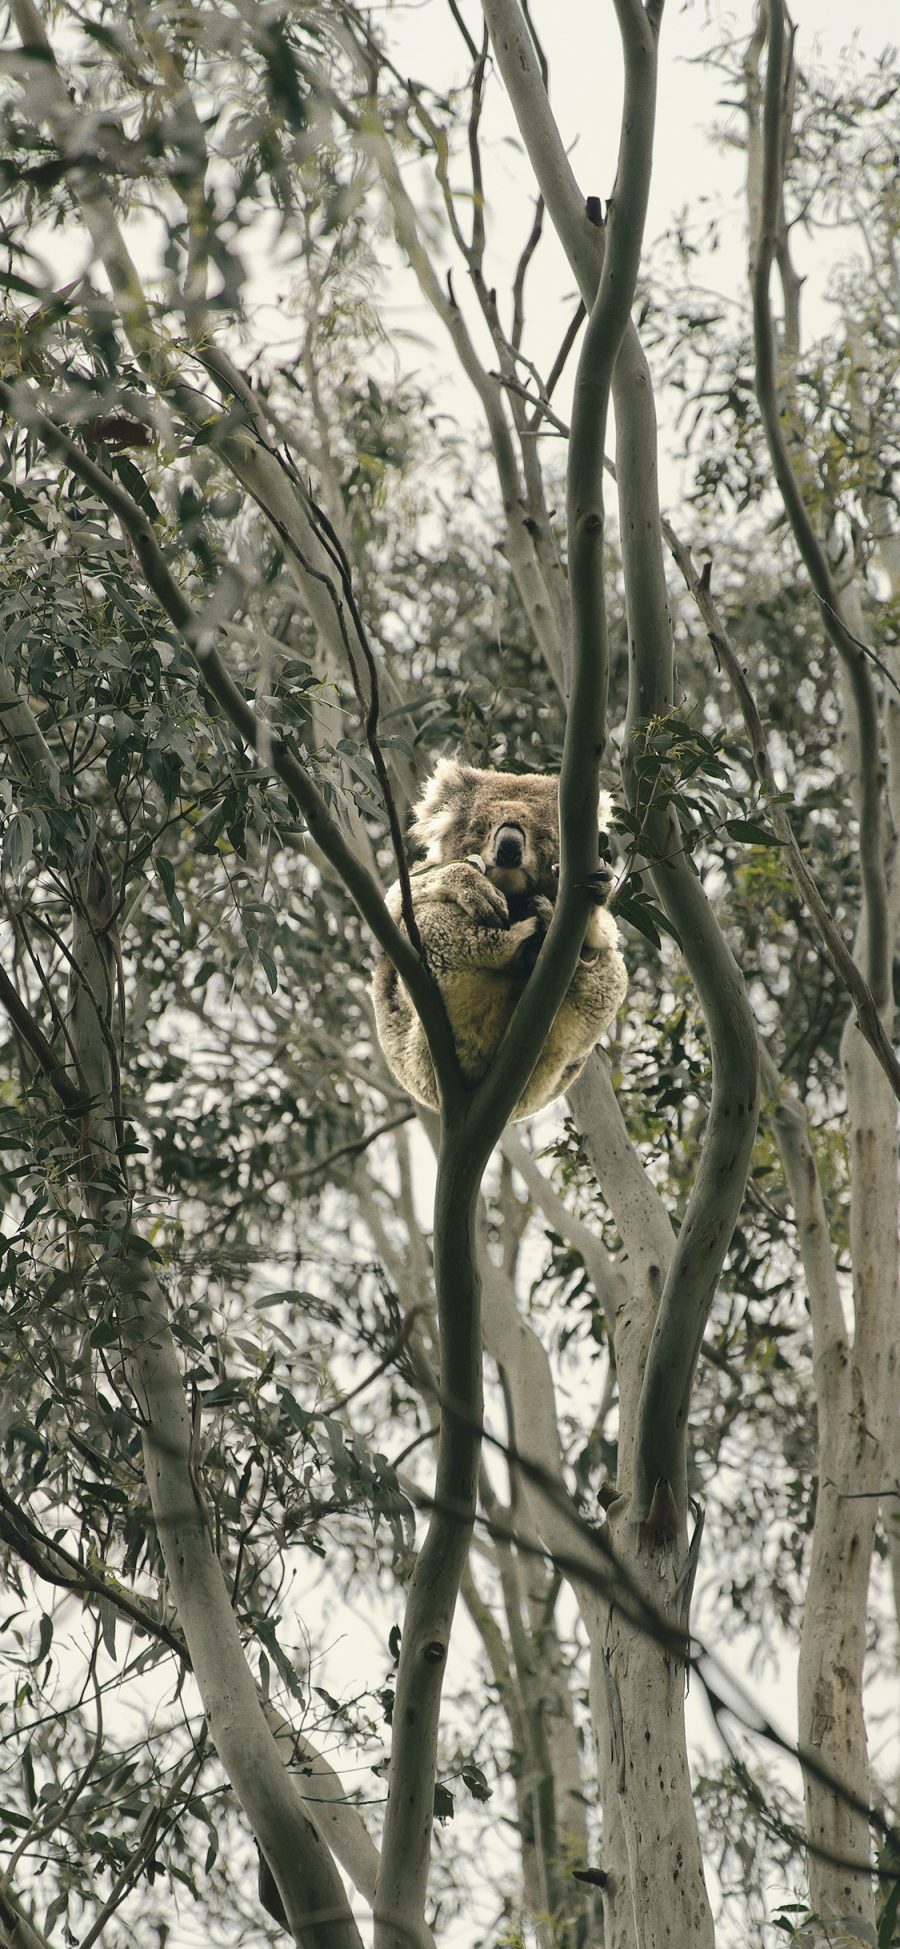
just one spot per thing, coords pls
(512, 822)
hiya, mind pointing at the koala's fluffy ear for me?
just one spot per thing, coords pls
(440, 803)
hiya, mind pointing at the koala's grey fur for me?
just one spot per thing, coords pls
(483, 902)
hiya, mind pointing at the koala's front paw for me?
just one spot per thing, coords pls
(599, 884)
(464, 885)
(483, 902)
(543, 912)
(537, 923)
(528, 936)
(602, 936)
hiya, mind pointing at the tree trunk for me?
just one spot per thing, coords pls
(857, 1393)
(645, 1685)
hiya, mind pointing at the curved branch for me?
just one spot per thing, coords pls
(468, 1137)
(70, 1096)
(586, 719)
(718, 1189)
(872, 848)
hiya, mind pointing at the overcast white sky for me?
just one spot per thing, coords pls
(690, 172)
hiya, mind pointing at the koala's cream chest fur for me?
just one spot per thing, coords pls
(483, 901)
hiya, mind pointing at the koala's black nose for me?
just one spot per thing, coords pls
(509, 846)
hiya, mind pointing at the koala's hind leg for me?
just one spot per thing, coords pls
(595, 993)
(477, 970)
(602, 932)
(453, 940)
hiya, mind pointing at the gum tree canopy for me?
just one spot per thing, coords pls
(372, 1485)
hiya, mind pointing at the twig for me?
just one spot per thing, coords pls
(839, 955)
(227, 374)
(324, 829)
(126, 1879)
(70, 1096)
(57, 1566)
(400, 1340)
(354, 1149)
(775, 136)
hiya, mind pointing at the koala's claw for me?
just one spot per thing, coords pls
(478, 897)
(543, 909)
(599, 884)
(462, 884)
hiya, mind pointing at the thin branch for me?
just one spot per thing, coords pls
(872, 862)
(398, 1343)
(56, 1565)
(150, 1836)
(70, 1096)
(227, 374)
(324, 829)
(839, 955)
(457, 15)
(571, 333)
(477, 245)
(354, 1149)
(518, 289)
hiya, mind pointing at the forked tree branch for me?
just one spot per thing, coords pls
(586, 719)
(468, 1138)
(695, 1265)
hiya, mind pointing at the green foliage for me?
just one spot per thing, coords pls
(270, 1180)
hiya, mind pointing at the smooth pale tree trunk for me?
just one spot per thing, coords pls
(857, 1390)
(312, 1893)
(832, 1650)
(645, 1683)
(856, 1372)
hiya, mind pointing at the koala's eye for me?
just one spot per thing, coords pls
(603, 844)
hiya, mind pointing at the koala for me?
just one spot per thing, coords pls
(483, 901)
